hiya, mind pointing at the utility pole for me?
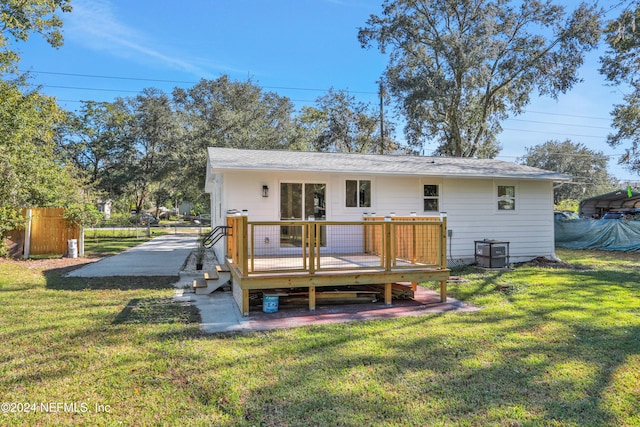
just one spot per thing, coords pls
(381, 118)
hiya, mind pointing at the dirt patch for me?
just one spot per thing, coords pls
(209, 264)
(50, 263)
(548, 263)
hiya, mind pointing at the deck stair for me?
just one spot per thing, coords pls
(212, 280)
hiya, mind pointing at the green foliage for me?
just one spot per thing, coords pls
(200, 250)
(19, 19)
(32, 172)
(567, 205)
(620, 66)
(99, 140)
(226, 113)
(458, 68)
(340, 123)
(587, 167)
(83, 215)
(10, 219)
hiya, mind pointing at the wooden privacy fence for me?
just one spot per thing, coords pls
(416, 243)
(49, 231)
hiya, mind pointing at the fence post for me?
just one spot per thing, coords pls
(27, 235)
(443, 242)
(388, 245)
(244, 244)
(311, 227)
(81, 242)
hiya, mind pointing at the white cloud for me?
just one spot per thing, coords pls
(94, 24)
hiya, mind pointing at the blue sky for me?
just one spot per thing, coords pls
(297, 48)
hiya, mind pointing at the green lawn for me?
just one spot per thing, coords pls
(552, 346)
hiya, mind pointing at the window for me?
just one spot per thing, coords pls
(431, 198)
(506, 197)
(358, 193)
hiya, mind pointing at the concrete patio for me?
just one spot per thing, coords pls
(220, 314)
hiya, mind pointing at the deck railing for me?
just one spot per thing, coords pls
(259, 247)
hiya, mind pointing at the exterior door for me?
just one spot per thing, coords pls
(300, 201)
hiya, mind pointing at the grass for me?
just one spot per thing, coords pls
(109, 245)
(551, 347)
(110, 241)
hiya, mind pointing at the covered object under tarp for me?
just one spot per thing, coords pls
(597, 206)
(603, 234)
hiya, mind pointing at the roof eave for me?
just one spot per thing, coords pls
(542, 177)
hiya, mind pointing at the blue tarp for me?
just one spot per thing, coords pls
(602, 234)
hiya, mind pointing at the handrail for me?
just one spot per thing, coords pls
(396, 245)
(215, 235)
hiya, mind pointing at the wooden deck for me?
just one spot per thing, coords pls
(317, 266)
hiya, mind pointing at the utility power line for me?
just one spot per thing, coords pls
(182, 81)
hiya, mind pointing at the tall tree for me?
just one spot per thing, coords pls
(226, 113)
(457, 68)
(31, 173)
(340, 123)
(588, 168)
(98, 140)
(621, 67)
(20, 18)
(156, 146)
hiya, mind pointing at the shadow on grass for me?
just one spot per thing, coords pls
(557, 361)
(56, 280)
(533, 383)
(158, 311)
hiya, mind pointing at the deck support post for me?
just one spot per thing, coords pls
(312, 298)
(443, 291)
(388, 294)
(245, 302)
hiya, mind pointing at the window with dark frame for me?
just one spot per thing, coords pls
(431, 198)
(358, 193)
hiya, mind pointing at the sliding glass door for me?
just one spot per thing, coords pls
(300, 201)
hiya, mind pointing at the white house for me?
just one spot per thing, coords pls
(483, 199)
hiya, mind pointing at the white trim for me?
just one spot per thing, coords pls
(303, 182)
(438, 185)
(496, 199)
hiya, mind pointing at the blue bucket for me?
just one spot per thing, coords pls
(270, 303)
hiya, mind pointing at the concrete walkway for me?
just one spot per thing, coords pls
(218, 312)
(161, 256)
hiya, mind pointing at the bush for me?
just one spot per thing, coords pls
(83, 215)
(10, 219)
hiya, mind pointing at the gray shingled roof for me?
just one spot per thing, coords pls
(272, 160)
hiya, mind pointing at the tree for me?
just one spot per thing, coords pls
(588, 168)
(457, 68)
(620, 66)
(157, 143)
(18, 19)
(97, 139)
(226, 113)
(340, 123)
(30, 172)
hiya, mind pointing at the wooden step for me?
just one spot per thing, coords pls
(200, 282)
(210, 275)
(222, 268)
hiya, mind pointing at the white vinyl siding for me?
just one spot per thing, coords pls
(471, 205)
